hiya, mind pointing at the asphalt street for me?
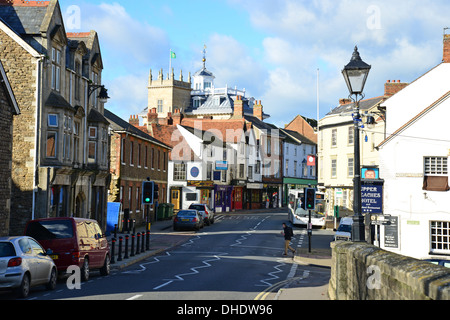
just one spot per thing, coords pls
(237, 258)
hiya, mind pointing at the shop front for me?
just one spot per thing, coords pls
(222, 198)
(254, 196)
(295, 183)
(271, 195)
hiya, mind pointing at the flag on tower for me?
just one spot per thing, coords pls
(172, 55)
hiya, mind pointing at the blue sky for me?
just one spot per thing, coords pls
(272, 48)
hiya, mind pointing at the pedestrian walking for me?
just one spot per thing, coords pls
(288, 234)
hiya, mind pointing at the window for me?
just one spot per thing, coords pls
(333, 168)
(179, 171)
(160, 106)
(139, 155)
(241, 171)
(92, 151)
(122, 153)
(131, 153)
(334, 137)
(146, 157)
(350, 167)
(435, 174)
(351, 132)
(67, 140)
(76, 142)
(77, 80)
(51, 144)
(287, 168)
(436, 166)
(250, 172)
(295, 168)
(56, 69)
(53, 120)
(440, 236)
(92, 132)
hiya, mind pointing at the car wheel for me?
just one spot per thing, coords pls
(24, 290)
(85, 270)
(104, 271)
(51, 285)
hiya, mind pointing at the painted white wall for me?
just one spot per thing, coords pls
(402, 168)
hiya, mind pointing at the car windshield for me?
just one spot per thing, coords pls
(186, 213)
(50, 229)
(197, 207)
(7, 250)
(345, 228)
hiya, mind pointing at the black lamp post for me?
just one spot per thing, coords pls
(355, 74)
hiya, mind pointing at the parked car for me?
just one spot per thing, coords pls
(344, 231)
(206, 212)
(73, 241)
(25, 264)
(188, 219)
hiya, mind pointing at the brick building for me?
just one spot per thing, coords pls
(135, 155)
(60, 145)
(8, 109)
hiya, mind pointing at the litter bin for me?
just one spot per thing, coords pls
(170, 210)
(161, 209)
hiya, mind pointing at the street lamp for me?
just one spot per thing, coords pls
(102, 96)
(355, 74)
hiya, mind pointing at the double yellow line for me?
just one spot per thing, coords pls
(274, 288)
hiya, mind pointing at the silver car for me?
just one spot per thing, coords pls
(25, 264)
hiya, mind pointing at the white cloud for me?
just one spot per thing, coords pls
(124, 37)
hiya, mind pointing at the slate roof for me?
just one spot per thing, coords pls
(25, 20)
(363, 105)
(118, 124)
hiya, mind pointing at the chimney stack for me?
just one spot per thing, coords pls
(176, 117)
(134, 120)
(238, 108)
(344, 101)
(446, 56)
(391, 87)
(152, 116)
(258, 110)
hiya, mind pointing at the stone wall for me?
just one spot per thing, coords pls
(20, 68)
(6, 120)
(360, 271)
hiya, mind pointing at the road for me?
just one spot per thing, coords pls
(237, 258)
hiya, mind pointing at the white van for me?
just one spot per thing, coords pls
(344, 231)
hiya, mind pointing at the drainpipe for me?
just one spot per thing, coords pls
(37, 131)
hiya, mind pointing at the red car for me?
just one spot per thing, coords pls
(73, 241)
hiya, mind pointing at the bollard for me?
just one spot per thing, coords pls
(134, 226)
(133, 237)
(113, 246)
(126, 247)
(143, 242)
(138, 247)
(120, 249)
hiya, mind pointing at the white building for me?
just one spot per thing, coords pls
(414, 165)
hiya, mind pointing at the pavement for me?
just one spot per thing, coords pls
(162, 239)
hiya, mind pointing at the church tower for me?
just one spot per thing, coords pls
(168, 95)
